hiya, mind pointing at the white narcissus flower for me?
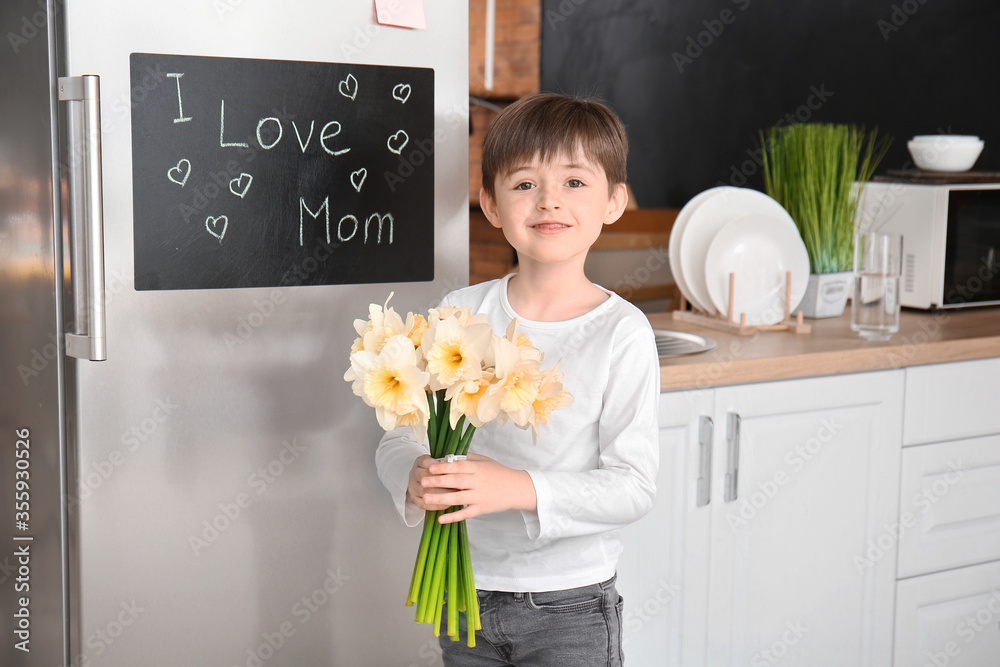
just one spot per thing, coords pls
(443, 312)
(514, 393)
(392, 382)
(396, 362)
(463, 314)
(417, 329)
(383, 322)
(417, 422)
(465, 397)
(525, 347)
(551, 396)
(454, 351)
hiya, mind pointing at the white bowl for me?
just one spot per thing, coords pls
(945, 152)
(952, 138)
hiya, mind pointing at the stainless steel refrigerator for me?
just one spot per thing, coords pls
(203, 491)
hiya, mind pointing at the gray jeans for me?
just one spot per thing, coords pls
(577, 627)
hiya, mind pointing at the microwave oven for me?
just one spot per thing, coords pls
(951, 239)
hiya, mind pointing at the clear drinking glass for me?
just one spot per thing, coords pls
(875, 299)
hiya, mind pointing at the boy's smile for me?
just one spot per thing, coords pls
(553, 211)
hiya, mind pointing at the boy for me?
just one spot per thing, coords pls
(543, 519)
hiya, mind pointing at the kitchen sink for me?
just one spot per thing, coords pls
(671, 343)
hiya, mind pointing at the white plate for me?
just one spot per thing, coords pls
(674, 246)
(759, 249)
(711, 216)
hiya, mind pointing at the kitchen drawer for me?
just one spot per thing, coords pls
(949, 618)
(949, 505)
(951, 401)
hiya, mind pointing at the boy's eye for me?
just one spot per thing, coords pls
(574, 183)
(525, 185)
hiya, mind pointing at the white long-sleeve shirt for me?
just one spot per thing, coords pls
(595, 464)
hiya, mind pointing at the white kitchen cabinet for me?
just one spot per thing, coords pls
(800, 570)
(948, 596)
(663, 571)
(951, 401)
(949, 618)
(949, 505)
(787, 560)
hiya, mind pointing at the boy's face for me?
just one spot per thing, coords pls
(552, 212)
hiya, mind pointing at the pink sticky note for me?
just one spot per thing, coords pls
(402, 13)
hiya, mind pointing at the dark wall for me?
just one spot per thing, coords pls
(695, 80)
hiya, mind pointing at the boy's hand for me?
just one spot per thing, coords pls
(415, 490)
(481, 484)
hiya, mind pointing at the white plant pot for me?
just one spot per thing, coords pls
(826, 294)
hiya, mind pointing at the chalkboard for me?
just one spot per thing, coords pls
(694, 81)
(263, 173)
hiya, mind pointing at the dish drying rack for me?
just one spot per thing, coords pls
(740, 326)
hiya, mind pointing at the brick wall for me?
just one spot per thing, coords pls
(516, 73)
(517, 48)
(479, 118)
(490, 256)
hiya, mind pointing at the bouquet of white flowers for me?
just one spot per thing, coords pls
(444, 375)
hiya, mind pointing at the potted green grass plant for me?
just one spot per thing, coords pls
(818, 172)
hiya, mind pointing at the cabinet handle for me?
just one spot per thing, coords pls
(733, 469)
(87, 341)
(703, 486)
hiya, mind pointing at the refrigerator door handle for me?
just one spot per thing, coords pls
(87, 341)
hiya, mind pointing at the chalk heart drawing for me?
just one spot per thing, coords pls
(217, 226)
(349, 87)
(401, 92)
(237, 187)
(397, 142)
(183, 167)
(358, 178)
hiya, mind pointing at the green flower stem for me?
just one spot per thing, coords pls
(443, 564)
(463, 446)
(451, 444)
(461, 574)
(443, 408)
(465, 585)
(472, 620)
(426, 589)
(456, 592)
(430, 520)
(437, 580)
(432, 424)
(438, 607)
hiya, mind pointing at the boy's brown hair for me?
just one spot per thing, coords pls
(546, 125)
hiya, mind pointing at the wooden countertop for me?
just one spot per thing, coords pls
(831, 348)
